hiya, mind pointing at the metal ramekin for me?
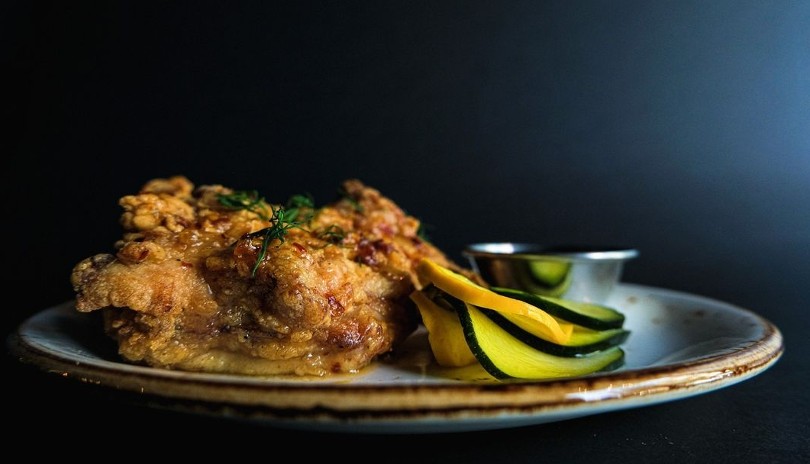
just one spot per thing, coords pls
(573, 272)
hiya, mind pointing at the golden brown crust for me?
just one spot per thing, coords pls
(181, 292)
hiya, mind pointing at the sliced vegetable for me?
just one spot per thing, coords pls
(582, 341)
(504, 356)
(510, 333)
(549, 274)
(589, 315)
(468, 291)
(552, 278)
(445, 335)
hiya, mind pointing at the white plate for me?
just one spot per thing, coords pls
(681, 345)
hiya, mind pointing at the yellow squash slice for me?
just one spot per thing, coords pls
(445, 335)
(468, 291)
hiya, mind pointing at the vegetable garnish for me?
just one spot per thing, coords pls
(505, 356)
(590, 315)
(445, 334)
(510, 337)
(468, 291)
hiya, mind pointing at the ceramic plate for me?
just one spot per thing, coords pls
(681, 345)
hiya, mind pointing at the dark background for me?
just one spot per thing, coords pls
(679, 128)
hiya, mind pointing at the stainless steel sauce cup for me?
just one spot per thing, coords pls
(573, 272)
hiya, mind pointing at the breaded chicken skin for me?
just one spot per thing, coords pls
(216, 280)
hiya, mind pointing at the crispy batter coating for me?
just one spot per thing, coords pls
(181, 291)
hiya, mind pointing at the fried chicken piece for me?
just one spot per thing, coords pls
(184, 290)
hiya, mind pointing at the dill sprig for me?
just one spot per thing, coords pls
(422, 233)
(300, 205)
(298, 210)
(282, 221)
(248, 200)
(333, 234)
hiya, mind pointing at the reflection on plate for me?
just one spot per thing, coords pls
(681, 345)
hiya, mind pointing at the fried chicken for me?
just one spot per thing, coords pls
(217, 280)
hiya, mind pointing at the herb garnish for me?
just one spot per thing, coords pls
(421, 232)
(333, 234)
(298, 211)
(300, 204)
(248, 200)
(281, 224)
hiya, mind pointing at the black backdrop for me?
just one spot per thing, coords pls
(679, 128)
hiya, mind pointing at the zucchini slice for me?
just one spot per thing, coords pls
(582, 341)
(468, 291)
(445, 335)
(504, 356)
(588, 315)
(552, 278)
(549, 274)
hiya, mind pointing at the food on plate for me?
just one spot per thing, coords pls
(214, 279)
(513, 334)
(462, 288)
(548, 277)
(589, 315)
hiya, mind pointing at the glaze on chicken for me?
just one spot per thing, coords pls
(192, 286)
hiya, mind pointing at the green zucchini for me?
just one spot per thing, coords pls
(551, 278)
(582, 341)
(505, 357)
(589, 315)
(549, 274)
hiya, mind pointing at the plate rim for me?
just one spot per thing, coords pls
(422, 407)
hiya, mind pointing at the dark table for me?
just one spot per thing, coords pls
(678, 128)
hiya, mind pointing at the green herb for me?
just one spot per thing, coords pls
(298, 210)
(281, 224)
(421, 232)
(333, 234)
(248, 200)
(303, 205)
